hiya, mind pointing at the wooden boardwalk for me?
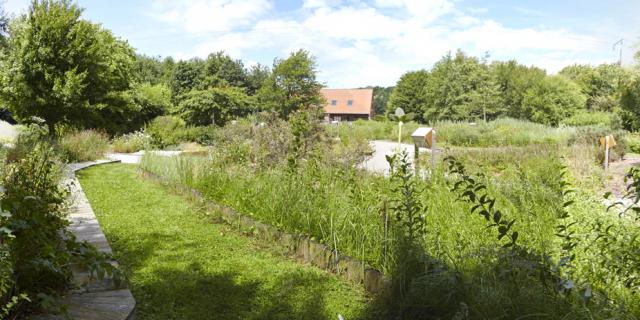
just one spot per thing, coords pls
(91, 299)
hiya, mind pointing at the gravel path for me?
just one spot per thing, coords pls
(136, 156)
(378, 162)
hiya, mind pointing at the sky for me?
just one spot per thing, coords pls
(373, 42)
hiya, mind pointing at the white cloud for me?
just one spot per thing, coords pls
(209, 15)
(360, 44)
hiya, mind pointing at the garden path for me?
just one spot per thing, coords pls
(91, 299)
(378, 162)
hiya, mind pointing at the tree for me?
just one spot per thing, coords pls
(221, 70)
(552, 100)
(214, 106)
(64, 69)
(599, 84)
(153, 70)
(513, 81)
(151, 101)
(409, 94)
(461, 88)
(381, 97)
(630, 103)
(256, 77)
(292, 85)
(186, 76)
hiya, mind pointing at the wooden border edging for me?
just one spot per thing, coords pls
(300, 247)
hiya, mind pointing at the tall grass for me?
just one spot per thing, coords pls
(345, 208)
(86, 145)
(501, 132)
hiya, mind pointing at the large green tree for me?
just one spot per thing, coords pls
(461, 87)
(256, 77)
(65, 69)
(551, 100)
(153, 70)
(599, 84)
(221, 70)
(410, 95)
(513, 80)
(381, 97)
(292, 85)
(186, 76)
(214, 105)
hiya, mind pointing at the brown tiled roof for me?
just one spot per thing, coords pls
(361, 101)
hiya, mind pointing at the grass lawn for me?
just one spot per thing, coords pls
(180, 265)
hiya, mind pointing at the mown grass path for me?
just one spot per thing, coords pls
(180, 265)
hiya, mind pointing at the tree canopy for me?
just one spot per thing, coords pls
(66, 70)
(292, 85)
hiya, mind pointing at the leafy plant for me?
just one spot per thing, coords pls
(472, 190)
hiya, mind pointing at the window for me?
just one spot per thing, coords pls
(334, 102)
(349, 102)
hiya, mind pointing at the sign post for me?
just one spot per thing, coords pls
(400, 116)
(607, 142)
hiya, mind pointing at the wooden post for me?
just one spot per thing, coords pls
(606, 152)
(433, 150)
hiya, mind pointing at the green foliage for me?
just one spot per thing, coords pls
(630, 102)
(513, 81)
(165, 130)
(256, 76)
(552, 100)
(186, 76)
(39, 251)
(632, 141)
(221, 70)
(381, 97)
(214, 106)
(409, 94)
(596, 118)
(66, 70)
(80, 146)
(131, 142)
(292, 85)
(152, 70)
(599, 84)
(211, 269)
(461, 88)
(151, 101)
(592, 135)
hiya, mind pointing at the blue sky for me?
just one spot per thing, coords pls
(359, 43)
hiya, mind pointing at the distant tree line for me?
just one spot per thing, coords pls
(76, 74)
(73, 73)
(465, 88)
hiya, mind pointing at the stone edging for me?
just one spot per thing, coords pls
(300, 247)
(91, 299)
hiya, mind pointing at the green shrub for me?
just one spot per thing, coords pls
(164, 130)
(632, 141)
(131, 142)
(592, 135)
(599, 118)
(38, 252)
(86, 145)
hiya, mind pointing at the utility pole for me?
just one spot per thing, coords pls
(619, 44)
